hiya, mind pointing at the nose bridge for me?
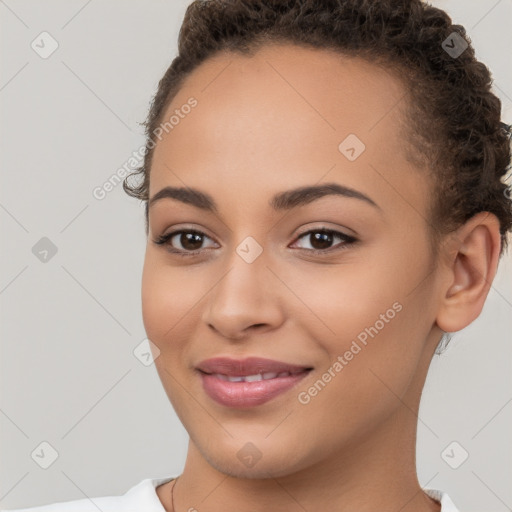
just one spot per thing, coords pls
(244, 295)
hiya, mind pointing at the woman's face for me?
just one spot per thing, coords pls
(356, 317)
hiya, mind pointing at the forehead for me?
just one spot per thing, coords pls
(277, 119)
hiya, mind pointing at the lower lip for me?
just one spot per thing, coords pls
(248, 394)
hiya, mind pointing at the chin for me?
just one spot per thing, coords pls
(261, 470)
(259, 460)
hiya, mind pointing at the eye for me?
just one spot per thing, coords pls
(321, 240)
(190, 241)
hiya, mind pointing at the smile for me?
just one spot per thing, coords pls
(245, 391)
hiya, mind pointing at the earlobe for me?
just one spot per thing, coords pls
(475, 249)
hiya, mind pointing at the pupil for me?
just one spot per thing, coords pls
(192, 241)
(188, 242)
(323, 239)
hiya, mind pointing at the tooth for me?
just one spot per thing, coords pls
(253, 378)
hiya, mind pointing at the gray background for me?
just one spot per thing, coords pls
(69, 325)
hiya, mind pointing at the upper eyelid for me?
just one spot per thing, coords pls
(322, 227)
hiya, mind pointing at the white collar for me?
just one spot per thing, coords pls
(145, 490)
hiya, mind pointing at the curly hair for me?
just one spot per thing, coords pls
(453, 117)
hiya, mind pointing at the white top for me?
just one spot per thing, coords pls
(143, 497)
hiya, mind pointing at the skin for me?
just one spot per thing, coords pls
(263, 125)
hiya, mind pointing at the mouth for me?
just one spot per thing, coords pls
(252, 378)
(248, 382)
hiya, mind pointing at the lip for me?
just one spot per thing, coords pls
(215, 373)
(247, 366)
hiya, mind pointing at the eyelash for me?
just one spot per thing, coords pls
(347, 241)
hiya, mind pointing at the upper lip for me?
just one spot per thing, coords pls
(248, 366)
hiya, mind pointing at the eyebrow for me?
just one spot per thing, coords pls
(282, 201)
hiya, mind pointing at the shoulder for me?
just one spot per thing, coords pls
(447, 504)
(141, 496)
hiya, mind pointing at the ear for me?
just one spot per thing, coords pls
(470, 261)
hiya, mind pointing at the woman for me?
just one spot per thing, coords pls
(324, 202)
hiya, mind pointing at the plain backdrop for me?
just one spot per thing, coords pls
(71, 269)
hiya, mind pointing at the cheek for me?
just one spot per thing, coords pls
(168, 300)
(338, 303)
(364, 382)
(156, 303)
(167, 310)
(375, 325)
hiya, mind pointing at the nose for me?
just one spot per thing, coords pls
(245, 300)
